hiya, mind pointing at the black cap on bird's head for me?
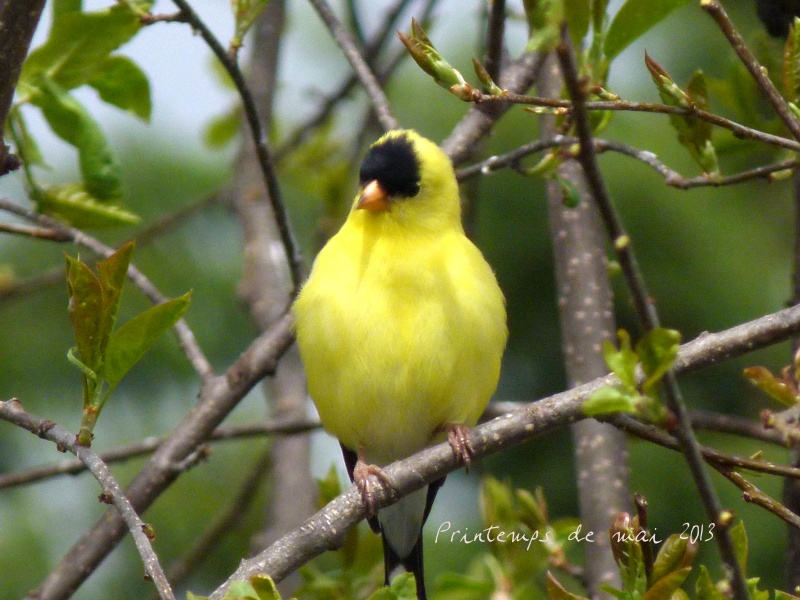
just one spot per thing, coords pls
(389, 170)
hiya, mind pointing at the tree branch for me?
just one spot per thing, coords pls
(647, 315)
(13, 412)
(565, 106)
(354, 56)
(326, 529)
(757, 72)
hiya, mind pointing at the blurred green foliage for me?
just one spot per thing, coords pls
(712, 257)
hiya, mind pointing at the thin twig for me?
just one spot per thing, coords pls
(354, 56)
(494, 38)
(757, 72)
(170, 221)
(185, 335)
(18, 288)
(723, 463)
(565, 106)
(39, 233)
(755, 496)
(150, 444)
(13, 412)
(371, 51)
(263, 151)
(218, 397)
(672, 178)
(646, 313)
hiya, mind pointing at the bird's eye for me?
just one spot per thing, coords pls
(394, 164)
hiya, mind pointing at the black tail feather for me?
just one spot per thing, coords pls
(413, 562)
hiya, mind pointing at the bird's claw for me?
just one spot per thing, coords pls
(362, 476)
(458, 438)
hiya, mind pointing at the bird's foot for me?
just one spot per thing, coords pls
(362, 476)
(458, 438)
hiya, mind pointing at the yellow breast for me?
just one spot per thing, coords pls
(399, 335)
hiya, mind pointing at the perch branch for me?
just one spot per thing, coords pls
(325, 530)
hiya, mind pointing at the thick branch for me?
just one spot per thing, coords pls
(326, 530)
(18, 20)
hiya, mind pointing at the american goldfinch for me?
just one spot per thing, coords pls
(401, 327)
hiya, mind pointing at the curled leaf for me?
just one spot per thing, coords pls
(421, 49)
(781, 389)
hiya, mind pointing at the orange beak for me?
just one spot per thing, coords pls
(373, 198)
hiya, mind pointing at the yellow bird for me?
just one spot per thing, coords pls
(401, 328)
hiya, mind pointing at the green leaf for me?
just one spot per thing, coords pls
(121, 83)
(791, 63)
(532, 510)
(404, 587)
(657, 351)
(556, 591)
(676, 553)
(634, 19)
(86, 312)
(113, 272)
(73, 204)
(544, 24)
(610, 399)
(778, 389)
(264, 587)
(740, 544)
(223, 129)
(622, 362)
(64, 7)
(102, 173)
(241, 590)
(576, 13)
(705, 588)
(663, 588)
(245, 12)
(78, 44)
(781, 595)
(421, 49)
(128, 344)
